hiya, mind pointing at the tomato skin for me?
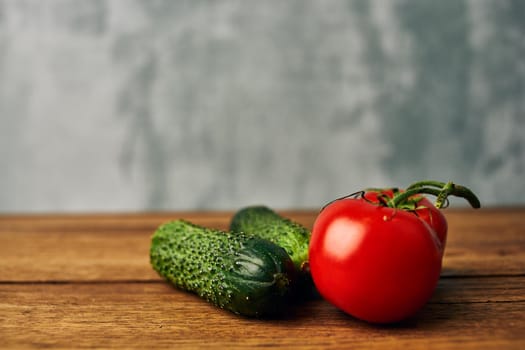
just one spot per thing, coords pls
(425, 210)
(435, 218)
(376, 263)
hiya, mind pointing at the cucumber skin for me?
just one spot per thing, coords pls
(265, 223)
(237, 272)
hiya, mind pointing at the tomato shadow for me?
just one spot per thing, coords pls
(446, 309)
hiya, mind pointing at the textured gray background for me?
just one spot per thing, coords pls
(145, 105)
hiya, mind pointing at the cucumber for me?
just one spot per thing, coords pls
(241, 273)
(267, 224)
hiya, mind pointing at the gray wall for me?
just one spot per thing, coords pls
(146, 105)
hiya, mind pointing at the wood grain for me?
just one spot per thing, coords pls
(145, 315)
(84, 280)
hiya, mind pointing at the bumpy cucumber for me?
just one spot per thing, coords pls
(266, 223)
(238, 272)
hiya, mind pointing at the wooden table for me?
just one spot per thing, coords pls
(77, 281)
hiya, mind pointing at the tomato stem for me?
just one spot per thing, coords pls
(401, 198)
(436, 188)
(431, 183)
(451, 189)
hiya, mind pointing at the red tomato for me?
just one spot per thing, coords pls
(376, 263)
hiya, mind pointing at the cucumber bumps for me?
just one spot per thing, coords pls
(235, 271)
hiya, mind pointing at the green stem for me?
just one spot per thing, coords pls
(442, 196)
(402, 197)
(451, 189)
(439, 189)
(431, 183)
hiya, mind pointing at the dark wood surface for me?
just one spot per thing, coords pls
(78, 281)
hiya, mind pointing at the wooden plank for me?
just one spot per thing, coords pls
(116, 248)
(485, 242)
(121, 222)
(106, 222)
(75, 256)
(467, 313)
(126, 222)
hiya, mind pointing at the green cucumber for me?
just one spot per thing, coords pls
(267, 224)
(242, 273)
